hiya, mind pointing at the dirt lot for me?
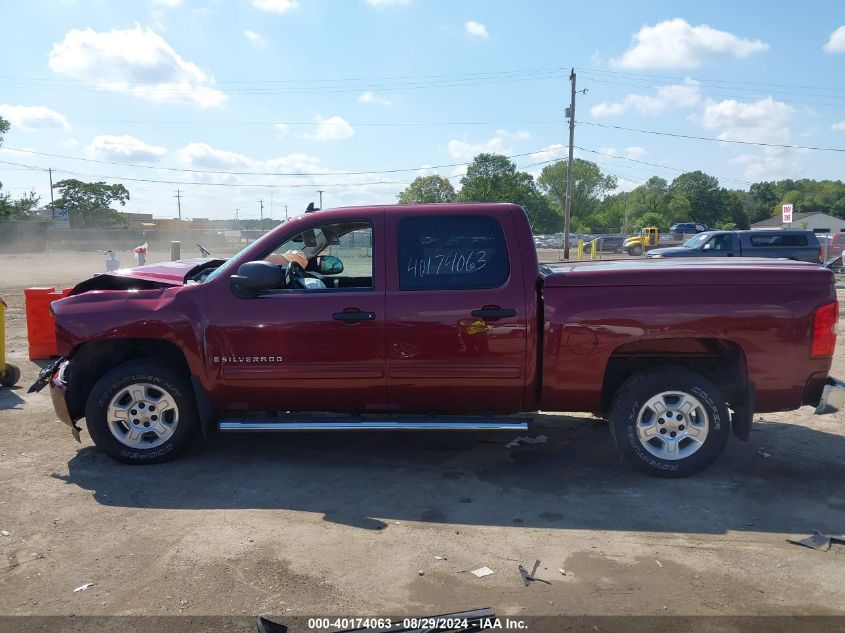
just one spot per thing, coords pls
(351, 524)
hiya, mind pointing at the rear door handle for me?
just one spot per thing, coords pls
(353, 316)
(493, 313)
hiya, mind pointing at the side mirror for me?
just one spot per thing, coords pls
(255, 276)
(329, 265)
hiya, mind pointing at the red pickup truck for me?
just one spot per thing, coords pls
(438, 317)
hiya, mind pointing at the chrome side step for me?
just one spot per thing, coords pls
(230, 425)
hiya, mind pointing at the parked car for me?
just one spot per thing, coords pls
(606, 244)
(440, 319)
(786, 243)
(836, 245)
(688, 228)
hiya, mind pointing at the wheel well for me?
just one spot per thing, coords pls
(92, 360)
(720, 361)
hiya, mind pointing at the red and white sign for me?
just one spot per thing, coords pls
(787, 214)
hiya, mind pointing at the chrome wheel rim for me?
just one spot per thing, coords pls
(142, 415)
(672, 425)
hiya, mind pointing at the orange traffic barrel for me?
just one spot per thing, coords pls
(40, 324)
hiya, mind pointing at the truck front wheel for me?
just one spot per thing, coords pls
(636, 250)
(141, 413)
(669, 422)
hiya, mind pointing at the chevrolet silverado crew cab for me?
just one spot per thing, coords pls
(787, 243)
(438, 317)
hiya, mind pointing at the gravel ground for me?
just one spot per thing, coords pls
(353, 524)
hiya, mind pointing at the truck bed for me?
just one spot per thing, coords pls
(758, 309)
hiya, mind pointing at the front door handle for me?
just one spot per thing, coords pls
(353, 316)
(491, 313)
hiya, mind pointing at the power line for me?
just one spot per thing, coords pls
(251, 173)
(315, 80)
(642, 162)
(710, 138)
(705, 80)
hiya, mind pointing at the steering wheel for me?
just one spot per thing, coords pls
(294, 275)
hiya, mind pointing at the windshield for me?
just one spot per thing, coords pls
(697, 241)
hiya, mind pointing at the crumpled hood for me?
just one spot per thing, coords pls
(159, 275)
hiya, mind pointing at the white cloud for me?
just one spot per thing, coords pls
(275, 6)
(136, 61)
(123, 148)
(677, 44)
(334, 128)
(476, 29)
(634, 151)
(463, 150)
(683, 95)
(168, 3)
(836, 43)
(838, 127)
(355, 189)
(386, 3)
(255, 38)
(371, 97)
(763, 121)
(32, 118)
(771, 163)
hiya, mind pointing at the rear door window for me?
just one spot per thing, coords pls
(451, 253)
(779, 239)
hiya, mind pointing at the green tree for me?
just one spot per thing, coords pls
(428, 189)
(589, 186)
(21, 209)
(704, 196)
(4, 127)
(494, 178)
(89, 203)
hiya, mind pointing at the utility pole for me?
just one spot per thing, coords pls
(320, 191)
(178, 197)
(567, 216)
(237, 220)
(52, 210)
(261, 215)
(286, 213)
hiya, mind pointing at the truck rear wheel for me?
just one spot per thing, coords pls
(141, 413)
(669, 422)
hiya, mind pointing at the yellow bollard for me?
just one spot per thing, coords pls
(594, 248)
(9, 374)
(580, 250)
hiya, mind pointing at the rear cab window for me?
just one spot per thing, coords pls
(779, 239)
(451, 253)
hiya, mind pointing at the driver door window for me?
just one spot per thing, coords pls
(347, 247)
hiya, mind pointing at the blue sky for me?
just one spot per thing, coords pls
(323, 87)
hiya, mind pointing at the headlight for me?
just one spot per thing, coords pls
(656, 256)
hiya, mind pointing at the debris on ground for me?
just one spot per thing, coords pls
(562, 571)
(83, 587)
(421, 572)
(482, 571)
(659, 564)
(440, 558)
(529, 578)
(819, 541)
(764, 453)
(526, 439)
(5, 532)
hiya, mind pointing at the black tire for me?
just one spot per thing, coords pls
(635, 250)
(11, 376)
(635, 392)
(120, 377)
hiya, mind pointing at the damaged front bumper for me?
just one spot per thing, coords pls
(833, 396)
(54, 375)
